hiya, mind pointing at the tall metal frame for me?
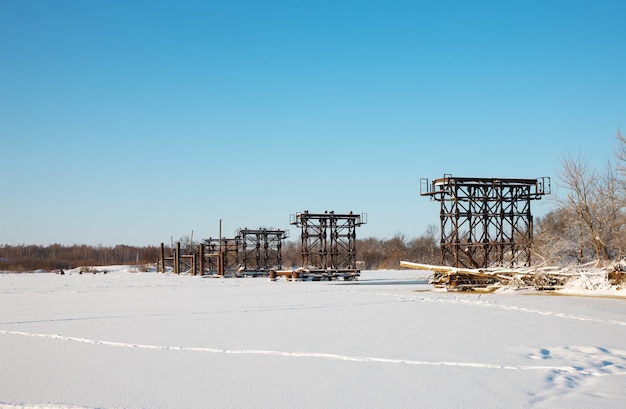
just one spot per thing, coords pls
(261, 249)
(328, 240)
(227, 248)
(485, 221)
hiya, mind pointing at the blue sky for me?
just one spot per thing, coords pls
(134, 122)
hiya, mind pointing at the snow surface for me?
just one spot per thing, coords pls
(128, 339)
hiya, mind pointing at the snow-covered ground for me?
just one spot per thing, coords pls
(145, 340)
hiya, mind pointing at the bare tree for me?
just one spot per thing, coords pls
(425, 248)
(619, 191)
(558, 238)
(620, 151)
(588, 199)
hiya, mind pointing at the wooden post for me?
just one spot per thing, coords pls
(162, 259)
(220, 264)
(201, 260)
(177, 258)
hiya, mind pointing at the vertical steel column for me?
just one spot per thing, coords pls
(333, 254)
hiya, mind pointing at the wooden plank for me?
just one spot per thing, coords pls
(440, 269)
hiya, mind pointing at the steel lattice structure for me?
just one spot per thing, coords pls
(261, 248)
(229, 250)
(328, 240)
(485, 221)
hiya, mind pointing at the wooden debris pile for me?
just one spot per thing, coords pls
(617, 275)
(470, 279)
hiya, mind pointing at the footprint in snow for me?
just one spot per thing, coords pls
(581, 364)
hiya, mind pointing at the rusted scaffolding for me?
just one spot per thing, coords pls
(212, 256)
(179, 260)
(485, 221)
(220, 255)
(328, 242)
(261, 249)
(250, 252)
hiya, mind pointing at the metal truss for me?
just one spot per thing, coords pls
(225, 251)
(180, 261)
(485, 221)
(328, 239)
(249, 251)
(261, 249)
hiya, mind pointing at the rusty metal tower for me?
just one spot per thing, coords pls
(485, 221)
(328, 240)
(261, 248)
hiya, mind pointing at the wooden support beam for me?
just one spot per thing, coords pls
(162, 259)
(177, 258)
(201, 258)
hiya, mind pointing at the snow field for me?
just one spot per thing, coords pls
(147, 340)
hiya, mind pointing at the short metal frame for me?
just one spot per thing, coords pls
(328, 240)
(261, 249)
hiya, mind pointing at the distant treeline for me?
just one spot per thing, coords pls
(56, 256)
(375, 254)
(371, 252)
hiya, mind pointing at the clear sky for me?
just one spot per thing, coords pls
(134, 122)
